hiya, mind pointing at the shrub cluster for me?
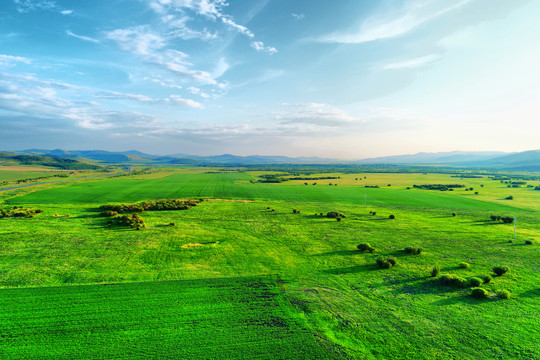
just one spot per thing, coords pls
(452, 280)
(479, 293)
(501, 270)
(435, 271)
(372, 213)
(156, 205)
(412, 250)
(366, 247)
(392, 217)
(504, 219)
(134, 221)
(464, 265)
(503, 294)
(17, 212)
(295, 211)
(334, 215)
(386, 262)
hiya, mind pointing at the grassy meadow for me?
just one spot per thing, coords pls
(243, 256)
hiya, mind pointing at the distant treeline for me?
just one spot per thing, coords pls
(439, 187)
(466, 176)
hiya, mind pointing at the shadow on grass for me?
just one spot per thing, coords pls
(351, 270)
(339, 253)
(459, 299)
(534, 293)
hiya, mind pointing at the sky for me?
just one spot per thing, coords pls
(347, 79)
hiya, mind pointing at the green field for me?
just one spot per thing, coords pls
(331, 292)
(237, 318)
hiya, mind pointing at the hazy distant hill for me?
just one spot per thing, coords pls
(435, 158)
(527, 160)
(52, 161)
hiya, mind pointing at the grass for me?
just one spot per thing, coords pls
(400, 312)
(235, 318)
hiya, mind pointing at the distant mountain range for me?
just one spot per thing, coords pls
(524, 161)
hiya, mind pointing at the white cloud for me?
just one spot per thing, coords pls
(259, 46)
(412, 63)
(33, 5)
(298, 16)
(82, 37)
(178, 100)
(140, 40)
(314, 114)
(9, 60)
(66, 12)
(389, 25)
(121, 96)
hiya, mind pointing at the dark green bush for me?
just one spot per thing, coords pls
(479, 293)
(338, 219)
(412, 250)
(391, 217)
(474, 282)
(464, 265)
(385, 262)
(501, 270)
(365, 247)
(108, 213)
(528, 242)
(486, 279)
(453, 280)
(503, 294)
(435, 271)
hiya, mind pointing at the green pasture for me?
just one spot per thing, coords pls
(330, 291)
(237, 186)
(234, 318)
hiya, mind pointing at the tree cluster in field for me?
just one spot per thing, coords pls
(504, 219)
(335, 215)
(271, 178)
(372, 186)
(467, 176)
(472, 282)
(134, 221)
(440, 187)
(537, 188)
(21, 181)
(413, 250)
(385, 262)
(18, 212)
(150, 205)
(314, 178)
(144, 171)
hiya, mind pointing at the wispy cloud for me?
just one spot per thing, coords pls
(412, 63)
(25, 6)
(259, 46)
(298, 16)
(32, 5)
(151, 47)
(82, 37)
(9, 60)
(173, 14)
(315, 114)
(398, 23)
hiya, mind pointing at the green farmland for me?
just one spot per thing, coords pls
(242, 275)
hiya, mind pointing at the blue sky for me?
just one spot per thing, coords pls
(347, 79)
